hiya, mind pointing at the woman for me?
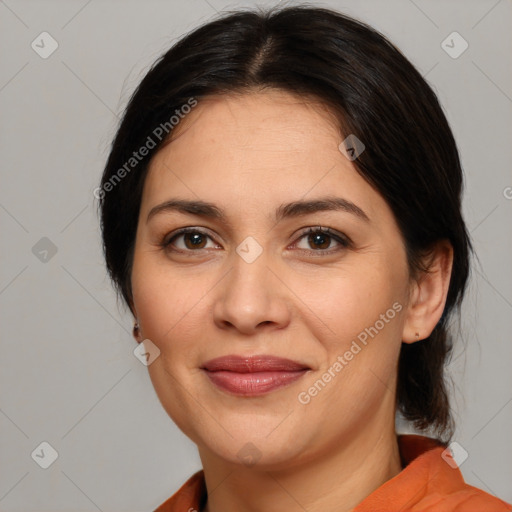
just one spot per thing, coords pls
(281, 211)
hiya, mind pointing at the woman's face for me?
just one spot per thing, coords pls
(254, 282)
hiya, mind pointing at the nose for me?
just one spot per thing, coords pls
(251, 297)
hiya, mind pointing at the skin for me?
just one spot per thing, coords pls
(248, 154)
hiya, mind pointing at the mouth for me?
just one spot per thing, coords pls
(254, 375)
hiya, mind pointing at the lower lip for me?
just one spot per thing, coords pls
(253, 384)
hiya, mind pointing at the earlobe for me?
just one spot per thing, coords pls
(136, 328)
(428, 296)
(136, 332)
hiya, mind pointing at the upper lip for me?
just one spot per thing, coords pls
(253, 364)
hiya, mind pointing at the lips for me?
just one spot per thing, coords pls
(254, 375)
(252, 364)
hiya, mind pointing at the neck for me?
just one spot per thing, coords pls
(335, 481)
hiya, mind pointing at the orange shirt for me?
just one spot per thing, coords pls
(426, 484)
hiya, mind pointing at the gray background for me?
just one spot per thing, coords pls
(68, 373)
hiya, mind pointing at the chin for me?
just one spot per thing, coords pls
(258, 449)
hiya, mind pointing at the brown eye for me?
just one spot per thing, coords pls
(187, 240)
(319, 241)
(322, 241)
(194, 240)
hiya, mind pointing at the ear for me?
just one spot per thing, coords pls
(428, 294)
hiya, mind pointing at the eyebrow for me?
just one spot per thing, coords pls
(288, 210)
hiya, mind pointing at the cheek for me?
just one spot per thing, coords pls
(357, 377)
(170, 305)
(161, 307)
(349, 300)
(359, 319)
(372, 340)
(159, 298)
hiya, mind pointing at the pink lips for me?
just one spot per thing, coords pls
(252, 376)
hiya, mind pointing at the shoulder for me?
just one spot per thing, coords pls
(190, 497)
(430, 481)
(467, 499)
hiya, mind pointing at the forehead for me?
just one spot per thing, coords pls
(271, 121)
(254, 150)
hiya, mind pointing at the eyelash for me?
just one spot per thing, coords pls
(343, 240)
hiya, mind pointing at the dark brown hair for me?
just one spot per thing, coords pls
(411, 157)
